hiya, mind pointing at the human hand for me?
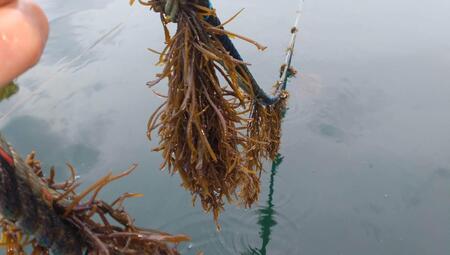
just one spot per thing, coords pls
(23, 34)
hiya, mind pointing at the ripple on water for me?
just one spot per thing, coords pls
(259, 231)
(280, 200)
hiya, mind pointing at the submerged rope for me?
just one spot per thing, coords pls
(39, 214)
(23, 201)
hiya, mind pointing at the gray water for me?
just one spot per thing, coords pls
(366, 143)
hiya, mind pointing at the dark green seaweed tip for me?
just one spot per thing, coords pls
(8, 91)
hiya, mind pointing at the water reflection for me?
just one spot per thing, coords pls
(366, 144)
(266, 218)
(28, 133)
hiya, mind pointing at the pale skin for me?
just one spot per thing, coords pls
(23, 35)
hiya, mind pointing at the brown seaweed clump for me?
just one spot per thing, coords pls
(213, 129)
(44, 216)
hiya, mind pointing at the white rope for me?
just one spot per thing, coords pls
(290, 50)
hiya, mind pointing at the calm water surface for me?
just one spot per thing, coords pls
(365, 165)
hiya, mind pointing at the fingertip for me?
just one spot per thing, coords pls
(4, 2)
(40, 21)
(37, 18)
(23, 34)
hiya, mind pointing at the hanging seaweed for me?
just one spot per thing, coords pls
(41, 215)
(215, 135)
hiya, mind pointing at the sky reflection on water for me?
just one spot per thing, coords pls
(366, 164)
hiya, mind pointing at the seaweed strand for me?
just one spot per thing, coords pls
(217, 124)
(47, 216)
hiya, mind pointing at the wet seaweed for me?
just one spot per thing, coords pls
(214, 135)
(98, 227)
(8, 91)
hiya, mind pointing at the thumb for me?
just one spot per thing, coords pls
(3, 2)
(23, 34)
